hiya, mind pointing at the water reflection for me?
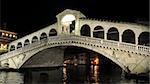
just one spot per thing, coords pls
(43, 75)
(80, 73)
(95, 70)
(70, 75)
(11, 78)
(65, 73)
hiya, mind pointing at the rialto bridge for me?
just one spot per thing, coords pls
(126, 44)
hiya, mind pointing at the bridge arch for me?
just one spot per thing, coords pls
(128, 36)
(34, 39)
(98, 32)
(113, 34)
(144, 39)
(26, 42)
(53, 32)
(43, 36)
(104, 53)
(12, 47)
(19, 45)
(85, 30)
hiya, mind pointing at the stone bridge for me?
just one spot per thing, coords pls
(125, 44)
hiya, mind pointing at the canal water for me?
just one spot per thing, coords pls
(68, 74)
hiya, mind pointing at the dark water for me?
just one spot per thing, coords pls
(69, 74)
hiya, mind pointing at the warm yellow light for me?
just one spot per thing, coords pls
(5, 46)
(6, 34)
(68, 18)
(1, 45)
(14, 36)
(96, 61)
(3, 34)
(10, 35)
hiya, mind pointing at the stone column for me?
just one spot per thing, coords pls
(136, 39)
(120, 37)
(105, 35)
(91, 33)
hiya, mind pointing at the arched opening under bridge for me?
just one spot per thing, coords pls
(79, 64)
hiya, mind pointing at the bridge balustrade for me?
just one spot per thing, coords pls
(109, 43)
(143, 48)
(127, 46)
(105, 43)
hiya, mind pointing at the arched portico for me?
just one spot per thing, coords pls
(98, 32)
(128, 36)
(85, 30)
(26, 42)
(144, 39)
(12, 47)
(52, 32)
(113, 34)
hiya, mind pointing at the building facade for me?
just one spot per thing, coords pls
(5, 38)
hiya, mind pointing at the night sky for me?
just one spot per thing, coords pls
(27, 16)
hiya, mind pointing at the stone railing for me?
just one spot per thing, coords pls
(105, 43)
(81, 39)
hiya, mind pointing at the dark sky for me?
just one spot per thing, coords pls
(26, 16)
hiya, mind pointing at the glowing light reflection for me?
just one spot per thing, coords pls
(68, 18)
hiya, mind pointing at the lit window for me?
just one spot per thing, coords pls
(14, 36)
(3, 34)
(1, 44)
(5, 46)
(10, 35)
(6, 34)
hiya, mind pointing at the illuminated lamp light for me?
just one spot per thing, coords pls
(96, 61)
(1, 44)
(10, 35)
(3, 34)
(6, 34)
(14, 36)
(73, 31)
(68, 18)
(5, 46)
